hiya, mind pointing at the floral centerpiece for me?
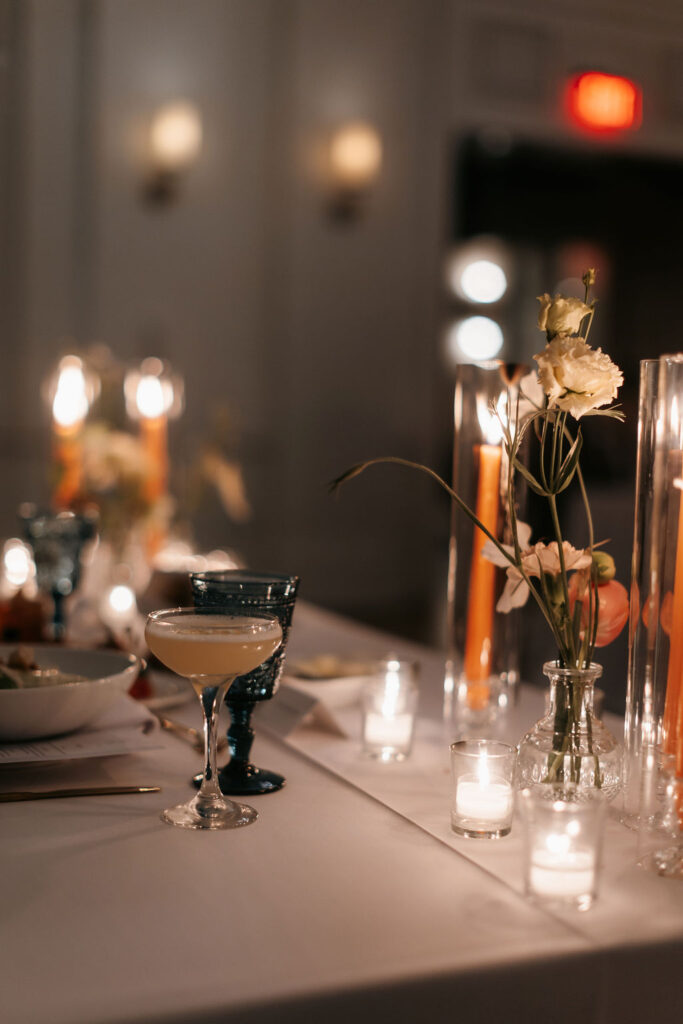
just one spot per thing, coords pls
(574, 588)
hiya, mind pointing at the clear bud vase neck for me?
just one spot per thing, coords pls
(569, 746)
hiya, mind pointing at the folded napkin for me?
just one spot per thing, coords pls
(126, 727)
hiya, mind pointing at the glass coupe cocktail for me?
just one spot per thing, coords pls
(211, 650)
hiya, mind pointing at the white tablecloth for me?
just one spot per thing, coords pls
(332, 905)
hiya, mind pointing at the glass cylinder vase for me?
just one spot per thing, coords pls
(482, 669)
(653, 738)
(569, 745)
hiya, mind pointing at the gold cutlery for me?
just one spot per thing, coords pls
(47, 794)
(185, 732)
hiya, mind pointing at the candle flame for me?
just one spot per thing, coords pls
(71, 403)
(557, 843)
(490, 419)
(392, 689)
(150, 397)
(484, 773)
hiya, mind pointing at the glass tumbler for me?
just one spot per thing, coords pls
(239, 592)
(389, 709)
(483, 795)
(562, 845)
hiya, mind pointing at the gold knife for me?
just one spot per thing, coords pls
(48, 794)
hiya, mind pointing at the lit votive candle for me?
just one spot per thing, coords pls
(491, 802)
(482, 788)
(389, 706)
(563, 839)
(388, 730)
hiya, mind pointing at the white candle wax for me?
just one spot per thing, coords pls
(562, 873)
(483, 801)
(388, 730)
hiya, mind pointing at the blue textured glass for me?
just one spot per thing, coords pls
(234, 591)
(57, 540)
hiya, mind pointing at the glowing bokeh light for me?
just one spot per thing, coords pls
(71, 403)
(17, 562)
(150, 397)
(121, 599)
(483, 281)
(476, 338)
(176, 135)
(355, 155)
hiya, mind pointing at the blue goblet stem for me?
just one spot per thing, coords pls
(58, 625)
(240, 735)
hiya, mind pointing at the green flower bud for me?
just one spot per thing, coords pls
(605, 568)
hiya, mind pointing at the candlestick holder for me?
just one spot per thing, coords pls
(653, 736)
(482, 669)
(562, 845)
(389, 708)
(483, 797)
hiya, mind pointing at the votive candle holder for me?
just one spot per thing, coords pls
(483, 795)
(389, 710)
(562, 846)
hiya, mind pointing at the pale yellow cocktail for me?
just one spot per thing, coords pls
(211, 650)
(202, 645)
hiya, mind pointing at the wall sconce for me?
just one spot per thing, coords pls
(354, 163)
(174, 143)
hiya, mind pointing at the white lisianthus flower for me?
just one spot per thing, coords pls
(561, 315)
(575, 377)
(536, 560)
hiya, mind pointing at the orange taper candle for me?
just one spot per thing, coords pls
(673, 706)
(154, 438)
(68, 454)
(479, 636)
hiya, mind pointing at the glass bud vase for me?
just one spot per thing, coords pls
(569, 745)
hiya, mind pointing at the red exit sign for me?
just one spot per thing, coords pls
(604, 103)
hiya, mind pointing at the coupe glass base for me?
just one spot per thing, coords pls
(221, 816)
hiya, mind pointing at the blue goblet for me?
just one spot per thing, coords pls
(239, 592)
(57, 539)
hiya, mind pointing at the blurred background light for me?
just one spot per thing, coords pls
(483, 281)
(175, 136)
(18, 563)
(475, 338)
(602, 102)
(355, 155)
(479, 270)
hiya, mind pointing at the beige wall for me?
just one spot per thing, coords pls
(324, 341)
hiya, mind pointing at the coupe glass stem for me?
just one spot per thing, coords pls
(209, 795)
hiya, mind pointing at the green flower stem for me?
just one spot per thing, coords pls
(587, 655)
(544, 434)
(563, 572)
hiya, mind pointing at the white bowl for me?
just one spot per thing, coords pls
(36, 712)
